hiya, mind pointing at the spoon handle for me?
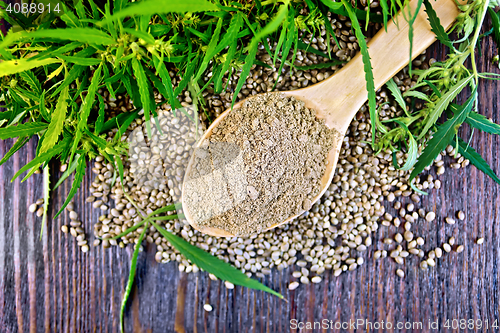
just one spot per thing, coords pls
(389, 52)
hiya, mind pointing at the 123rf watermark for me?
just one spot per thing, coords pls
(363, 324)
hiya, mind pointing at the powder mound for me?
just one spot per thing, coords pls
(261, 165)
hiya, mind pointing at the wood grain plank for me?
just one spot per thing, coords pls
(49, 285)
(30, 239)
(17, 251)
(46, 281)
(3, 236)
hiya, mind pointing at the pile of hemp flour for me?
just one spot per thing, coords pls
(262, 164)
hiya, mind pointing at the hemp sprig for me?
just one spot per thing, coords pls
(446, 80)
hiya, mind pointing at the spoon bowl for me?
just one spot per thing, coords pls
(338, 98)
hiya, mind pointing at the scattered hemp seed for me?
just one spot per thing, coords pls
(460, 249)
(316, 279)
(400, 273)
(449, 220)
(207, 307)
(293, 285)
(461, 215)
(407, 225)
(229, 285)
(432, 254)
(408, 236)
(65, 229)
(430, 216)
(32, 208)
(447, 247)
(398, 238)
(451, 241)
(480, 241)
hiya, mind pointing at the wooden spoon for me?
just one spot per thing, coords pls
(338, 98)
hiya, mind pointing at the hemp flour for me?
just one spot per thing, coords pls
(262, 164)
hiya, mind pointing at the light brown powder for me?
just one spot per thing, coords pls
(263, 164)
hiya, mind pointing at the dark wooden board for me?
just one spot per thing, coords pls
(49, 285)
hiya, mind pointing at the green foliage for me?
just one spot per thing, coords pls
(396, 93)
(370, 83)
(436, 26)
(22, 130)
(252, 48)
(58, 117)
(412, 149)
(69, 171)
(43, 157)
(21, 141)
(411, 19)
(80, 172)
(495, 22)
(442, 103)
(385, 12)
(83, 35)
(480, 122)
(144, 92)
(9, 67)
(341, 9)
(443, 136)
(469, 153)
(212, 264)
(152, 7)
(131, 277)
